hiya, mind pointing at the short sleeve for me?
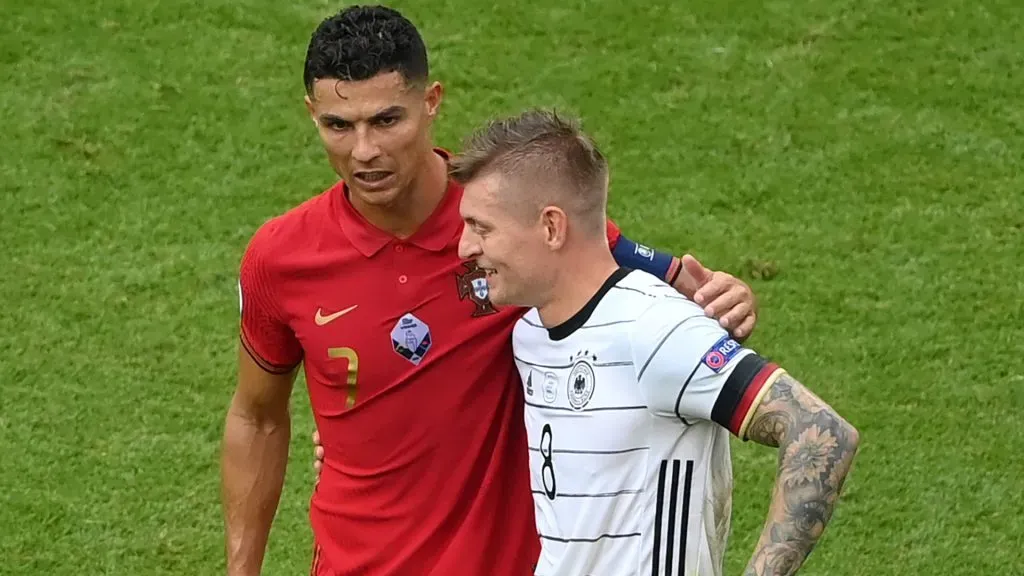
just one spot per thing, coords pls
(264, 333)
(688, 366)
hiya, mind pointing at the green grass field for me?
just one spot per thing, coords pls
(872, 153)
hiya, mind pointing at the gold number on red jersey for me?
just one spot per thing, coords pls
(353, 371)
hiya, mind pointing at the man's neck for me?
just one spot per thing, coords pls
(577, 284)
(414, 206)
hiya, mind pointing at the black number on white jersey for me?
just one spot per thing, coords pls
(548, 468)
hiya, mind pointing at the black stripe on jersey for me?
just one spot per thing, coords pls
(651, 295)
(598, 409)
(673, 502)
(655, 353)
(663, 286)
(660, 344)
(735, 387)
(594, 495)
(679, 397)
(687, 487)
(622, 451)
(591, 540)
(585, 327)
(656, 557)
(564, 366)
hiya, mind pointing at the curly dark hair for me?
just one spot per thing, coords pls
(361, 42)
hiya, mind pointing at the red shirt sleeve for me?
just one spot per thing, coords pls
(265, 334)
(612, 229)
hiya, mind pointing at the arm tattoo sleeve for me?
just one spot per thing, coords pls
(816, 449)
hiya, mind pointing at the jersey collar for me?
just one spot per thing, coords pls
(566, 329)
(443, 224)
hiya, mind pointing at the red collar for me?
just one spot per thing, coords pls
(434, 234)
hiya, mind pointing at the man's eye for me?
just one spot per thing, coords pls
(387, 120)
(337, 125)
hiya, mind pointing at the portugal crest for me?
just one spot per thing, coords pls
(473, 285)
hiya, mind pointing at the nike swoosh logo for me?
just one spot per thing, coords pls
(321, 319)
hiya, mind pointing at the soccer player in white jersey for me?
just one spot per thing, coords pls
(631, 390)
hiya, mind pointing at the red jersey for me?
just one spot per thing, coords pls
(413, 388)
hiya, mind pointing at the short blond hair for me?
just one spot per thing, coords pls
(546, 151)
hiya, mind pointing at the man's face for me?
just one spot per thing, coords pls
(376, 132)
(506, 242)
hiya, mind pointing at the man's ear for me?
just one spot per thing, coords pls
(556, 226)
(312, 111)
(432, 98)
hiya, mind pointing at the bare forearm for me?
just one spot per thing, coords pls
(816, 450)
(255, 454)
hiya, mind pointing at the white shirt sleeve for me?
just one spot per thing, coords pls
(689, 367)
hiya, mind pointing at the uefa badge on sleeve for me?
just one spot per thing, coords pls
(720, 353)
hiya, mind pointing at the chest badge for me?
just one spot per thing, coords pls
(473, 285)
(580, 384)
(411, 338)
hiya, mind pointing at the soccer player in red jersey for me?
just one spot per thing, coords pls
(409, 368)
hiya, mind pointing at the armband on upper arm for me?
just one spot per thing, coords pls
(742, 392)
(629, 254)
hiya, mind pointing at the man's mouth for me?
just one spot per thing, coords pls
(372, 176)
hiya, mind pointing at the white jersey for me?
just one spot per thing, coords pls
(629, 407)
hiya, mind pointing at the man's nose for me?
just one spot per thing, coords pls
(366, 149)
(468, 247)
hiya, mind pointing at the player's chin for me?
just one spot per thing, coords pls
(495, 292)
(379, 197)
(500, 294)
(496, 298)
(377, 193)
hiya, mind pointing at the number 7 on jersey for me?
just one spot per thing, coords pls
(353, 371)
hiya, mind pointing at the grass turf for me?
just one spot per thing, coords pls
(859, 163)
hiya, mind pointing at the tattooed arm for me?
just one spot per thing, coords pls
(816, 449)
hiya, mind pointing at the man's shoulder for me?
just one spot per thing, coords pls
(654, 303)
(638, 292)
(285, 233)
(655, 289)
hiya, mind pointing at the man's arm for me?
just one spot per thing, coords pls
(816, 449)
(723, 296)
(689, 368)
(253, 460)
